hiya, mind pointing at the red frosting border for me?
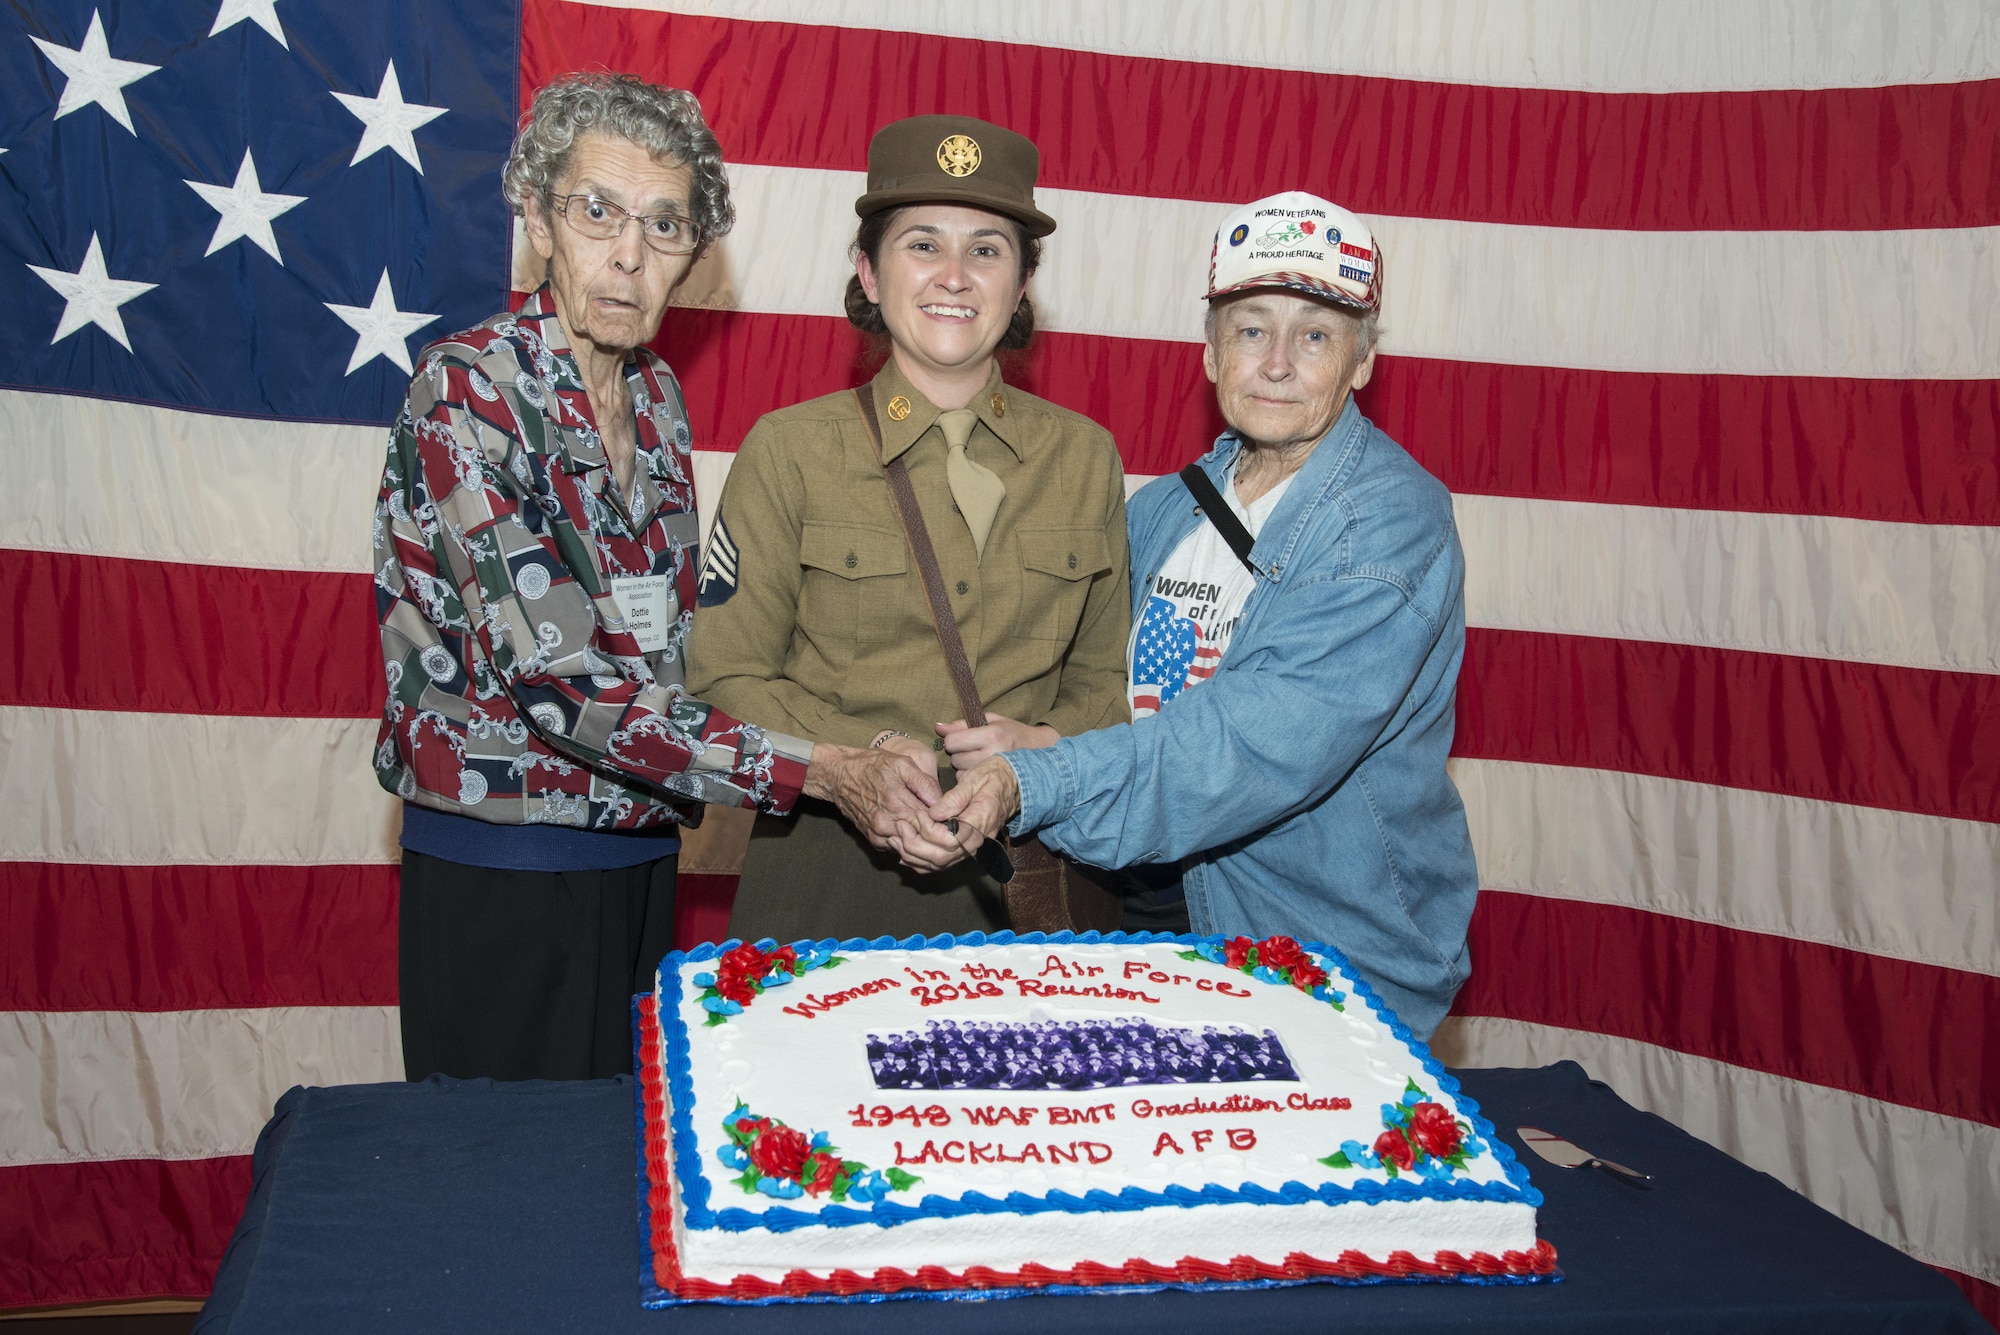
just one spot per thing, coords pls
(1540, 1260)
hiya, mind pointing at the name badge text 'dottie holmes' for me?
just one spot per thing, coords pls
(648, 604)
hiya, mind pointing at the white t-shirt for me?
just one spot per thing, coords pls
(1191, 611)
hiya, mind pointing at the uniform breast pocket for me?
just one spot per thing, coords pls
(1057, 567)
(854, 583)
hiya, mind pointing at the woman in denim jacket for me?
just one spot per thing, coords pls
(1292, 705)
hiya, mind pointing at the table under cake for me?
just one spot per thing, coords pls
(480, 1206)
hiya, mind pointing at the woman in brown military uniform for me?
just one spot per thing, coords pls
(812, 617)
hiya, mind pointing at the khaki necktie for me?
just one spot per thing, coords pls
(975, 488)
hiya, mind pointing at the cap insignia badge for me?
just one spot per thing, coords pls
(899, 408)
(959, 155)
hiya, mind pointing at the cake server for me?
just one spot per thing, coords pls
(1566, 1154)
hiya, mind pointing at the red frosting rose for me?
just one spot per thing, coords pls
(736, 987)
(1307, 976)
(780, 1152)
(825, 1168)
(1390, 1147)
(784, 957)
(745, 959)
(1236, 951)
(1278, 953)
(1434, 1129)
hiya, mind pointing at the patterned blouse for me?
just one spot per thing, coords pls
(532, 678)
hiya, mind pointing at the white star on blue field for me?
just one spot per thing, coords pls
(250, 206)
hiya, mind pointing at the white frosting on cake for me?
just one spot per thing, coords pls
(1296, 1080)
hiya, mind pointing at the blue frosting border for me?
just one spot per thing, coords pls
(696, 1188)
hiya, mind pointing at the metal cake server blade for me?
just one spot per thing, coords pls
(1567, 1154)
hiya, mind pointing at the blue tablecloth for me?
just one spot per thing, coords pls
(476, 1206)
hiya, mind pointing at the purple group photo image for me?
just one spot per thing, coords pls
(1073, 1054)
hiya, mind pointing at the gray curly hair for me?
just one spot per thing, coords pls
(666, 122)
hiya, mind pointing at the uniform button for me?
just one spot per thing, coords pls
(937, 743)
(850, 562)
(1072, 560)
(963, 588)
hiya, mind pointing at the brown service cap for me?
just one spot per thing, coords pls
(954, 160)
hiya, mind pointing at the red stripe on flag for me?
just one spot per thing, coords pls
(99, 632)
(702, 902)
(787, 94)
(1904, 738)
(1902, 451)
(1883, 1028)
(83, 938)
(128, 1228)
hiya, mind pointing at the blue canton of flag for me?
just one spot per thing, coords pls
(1165, 652)
(258, 207)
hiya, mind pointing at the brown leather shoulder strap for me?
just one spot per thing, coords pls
(919, 538)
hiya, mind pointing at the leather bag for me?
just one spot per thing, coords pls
(1047, 892)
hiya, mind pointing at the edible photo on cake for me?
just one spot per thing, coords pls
(989, 1116)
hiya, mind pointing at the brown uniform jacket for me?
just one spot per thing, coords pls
(811, 616)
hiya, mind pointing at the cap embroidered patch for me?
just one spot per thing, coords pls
(959, 155)
(1236, 237)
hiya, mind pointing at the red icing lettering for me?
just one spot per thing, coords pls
(1242, 1138)
(1201, 1138)
(1165, 1142)
(814, 1005)
(992, 1116)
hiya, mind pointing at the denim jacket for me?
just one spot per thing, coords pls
(1303, 786)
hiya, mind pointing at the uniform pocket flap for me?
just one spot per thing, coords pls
(1066, 553)
(852, 552)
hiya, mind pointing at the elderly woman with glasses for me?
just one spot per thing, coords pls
(535, 540)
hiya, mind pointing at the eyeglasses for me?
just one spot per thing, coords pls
(601, 220)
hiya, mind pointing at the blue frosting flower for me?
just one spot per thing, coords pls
(778, 977)
(732, 1156)
(869, 1188)
(1357, 1153)
(704, 980)
(721, 1006)
(782, 1188)
(1211, 952)
(820, 1140)
(1264, 975)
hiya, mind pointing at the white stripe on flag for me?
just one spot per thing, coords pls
(1888, 304)
(1894, 883)
(1909, 595)
(1649, 46)
(102, 478)
(100, 786)
(1923, 1182)
(93, 1085)
(1905, 595)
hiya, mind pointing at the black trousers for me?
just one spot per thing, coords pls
(525, 975)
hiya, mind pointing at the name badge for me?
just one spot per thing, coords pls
(649, 607)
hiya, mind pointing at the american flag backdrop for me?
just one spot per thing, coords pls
(1694, 304)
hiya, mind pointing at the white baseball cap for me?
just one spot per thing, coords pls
(1297, 241)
